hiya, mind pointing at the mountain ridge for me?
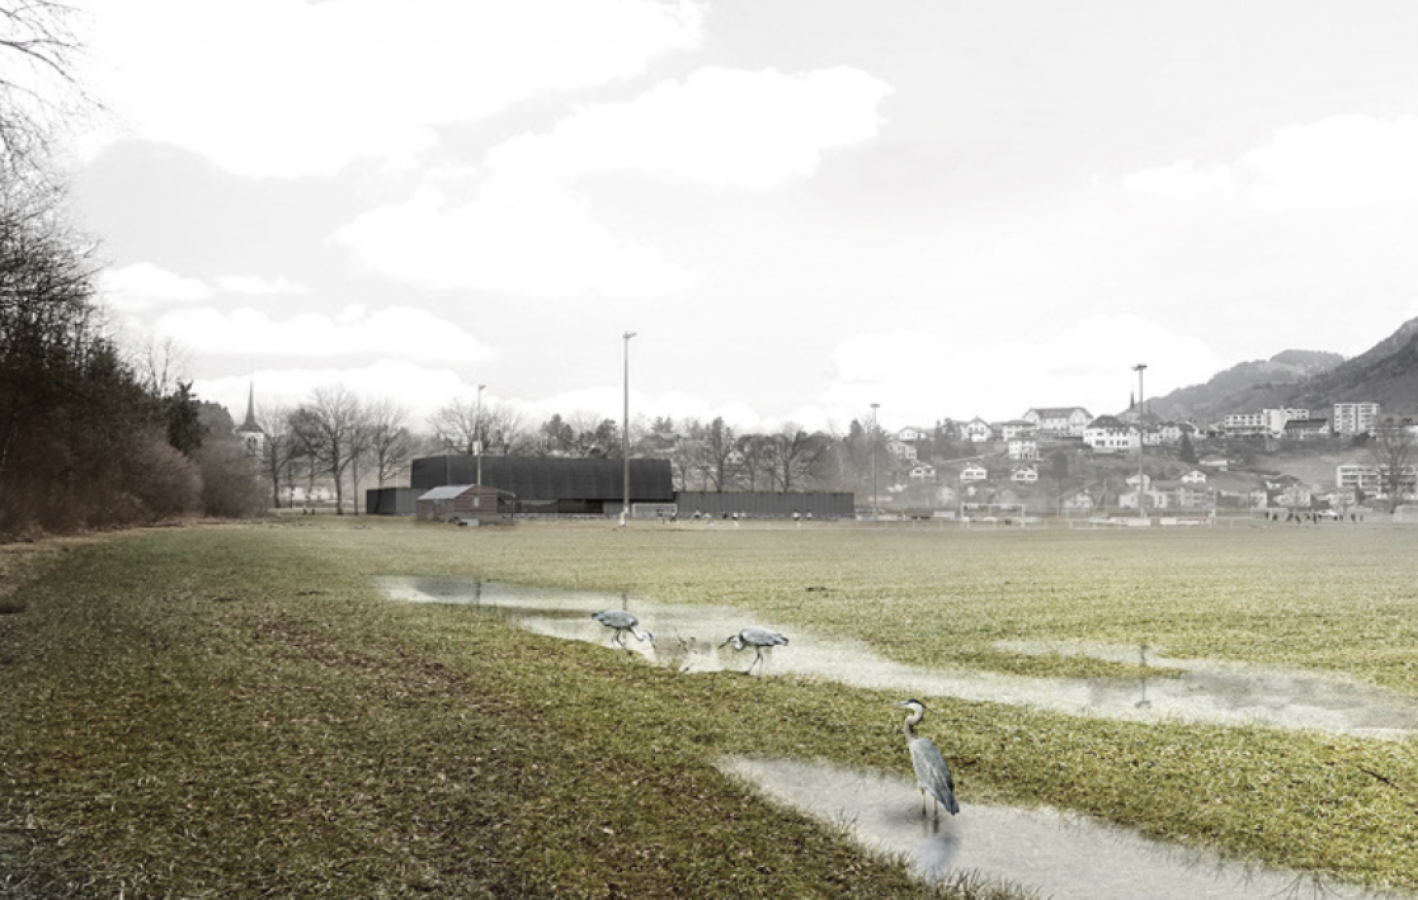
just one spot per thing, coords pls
(1386, 373)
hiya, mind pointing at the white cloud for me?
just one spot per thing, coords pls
(255, 285)
(528, 229)
(421, 389)
(1341, 162)
(280, 88)
(1182, 181)
(391, 332)
(720, 127)
(535, 239)
(142, 286)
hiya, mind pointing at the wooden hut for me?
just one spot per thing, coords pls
(459, 503)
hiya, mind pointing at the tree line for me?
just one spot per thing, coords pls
(342, 442)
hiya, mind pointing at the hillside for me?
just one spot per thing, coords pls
(1243, 386)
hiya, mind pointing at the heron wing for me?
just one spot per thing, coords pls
(933, 774)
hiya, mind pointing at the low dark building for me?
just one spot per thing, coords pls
(390, 501)
(554, 485)
(460, 503)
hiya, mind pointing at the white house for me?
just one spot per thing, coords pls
(978, 431)
(902, 450)
(974, 472)
(1059, 421)
(1025, 475)
(1108, 434)
(1195, 476)
(1023, 449)
(922, 472)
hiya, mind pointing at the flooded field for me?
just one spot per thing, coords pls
(691, 637)
(1054, 854)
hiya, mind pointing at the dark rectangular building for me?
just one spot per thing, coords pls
(554, 485)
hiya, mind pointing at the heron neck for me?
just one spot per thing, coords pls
(910, 726)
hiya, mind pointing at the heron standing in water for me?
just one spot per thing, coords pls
(932, 773)
(758, 639)
(620, 621)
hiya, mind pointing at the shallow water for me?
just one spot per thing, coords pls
(1056, 854)
(689, 638)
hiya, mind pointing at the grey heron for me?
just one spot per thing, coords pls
(619, 621)
(932, 773)
(758, 639)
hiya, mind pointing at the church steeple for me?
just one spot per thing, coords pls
(250, 432)
(250, 423)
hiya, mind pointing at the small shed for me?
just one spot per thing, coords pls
(459, 503)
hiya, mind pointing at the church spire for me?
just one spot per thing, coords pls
(250, 424)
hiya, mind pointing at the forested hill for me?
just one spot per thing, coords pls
(1387, 374)
(1242, 387)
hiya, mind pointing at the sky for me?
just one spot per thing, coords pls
(800, 208)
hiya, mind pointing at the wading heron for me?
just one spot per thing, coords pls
(758, 639)
(619, 621)
(932, 773)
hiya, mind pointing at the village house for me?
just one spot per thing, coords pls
(1024, 449)
(1059, 421)
(1108, 434)
(978, 431)
(974, 472)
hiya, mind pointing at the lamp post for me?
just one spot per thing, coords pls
(874, 408)
(625, 433)
(1141, 497)
(477, 433)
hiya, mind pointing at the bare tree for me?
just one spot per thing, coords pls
(796, 455)
(328, 428)
(391, 446)
(37, 85)
(456, 426)
(1393, 446)
(279, 451)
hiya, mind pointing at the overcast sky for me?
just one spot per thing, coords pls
(801, 207)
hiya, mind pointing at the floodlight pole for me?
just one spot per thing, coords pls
(625, 433)
(874, 514)
(477, 433)
(1141, 502)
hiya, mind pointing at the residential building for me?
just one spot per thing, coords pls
(906, 452)
(1016, 428)
(978, 431)
(1355, 418)
(1108, 434)
(1195, 476)
(1025, 475)
(974, 472)
(1023, 449)
(1059, 421)
(922, 472)
(1348, 476)
(1267, 422)
(1306, 429)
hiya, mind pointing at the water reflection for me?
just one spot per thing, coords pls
(1206, 691)
(1055, 854)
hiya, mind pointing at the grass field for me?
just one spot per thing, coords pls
(237, 711)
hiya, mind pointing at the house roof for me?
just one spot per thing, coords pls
(1055, 412)
(447, 492)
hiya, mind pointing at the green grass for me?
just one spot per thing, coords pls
(236, 711)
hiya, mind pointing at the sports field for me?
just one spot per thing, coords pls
(240, 711)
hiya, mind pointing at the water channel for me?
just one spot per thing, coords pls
(1205, 691)
(1047, 852)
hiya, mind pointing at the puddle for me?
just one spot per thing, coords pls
(688, 637)
(1053, 854)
